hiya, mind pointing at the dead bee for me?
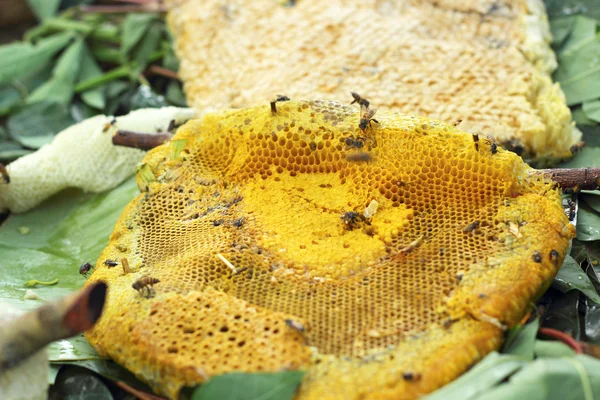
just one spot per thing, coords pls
(111, 263)
(366, 118)
(576, 148)
(351, 219)
(4, 173)
(353, 143)
(146, 282)
(109, 124)
(274, 102)
(313, 146)
(85, 268)
(295, 325)
(493, 145)
(472, 226)
(359, 157)
(358, 99)
(238, 222)
(476, 141)
(411, 376)
(457, 122)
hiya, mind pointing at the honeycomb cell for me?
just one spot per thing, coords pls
(241, 243)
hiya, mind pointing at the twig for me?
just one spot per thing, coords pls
(574, 178)
(563, 337)
(61, 319)
(137, 393)
(140, 140)
(157, 70)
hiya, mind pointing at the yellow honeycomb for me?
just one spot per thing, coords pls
(257, 233)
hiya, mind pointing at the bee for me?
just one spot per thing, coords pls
(472, 226)
(554, 256)
(109, 124)
(4, 173)
(366, 118)
(358, 99)
(476, 141)
(576, 148)
(493, 145)
(111, 263)
(411, 376)
(295, 325)
(351, 219)
(274, 102)
(146, 282)
(457, 122)
(353, 143)
(359, 157)
(85, 268)
(537, 257)
(572, 209)
(238, 222)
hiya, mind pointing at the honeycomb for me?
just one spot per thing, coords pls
(486, 62)
(254, 224)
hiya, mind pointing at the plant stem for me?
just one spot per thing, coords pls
(140, 140)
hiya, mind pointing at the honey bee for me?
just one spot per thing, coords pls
(358, 99)
(111, 263)
(493, 145)
(4, 174)
(537, 257)
(85, 269)
(109, 124)
(476, 141)
(366, 118)
(352, 143)
(295, 325)
(411, 376)
(472, 226)
(554, 256)
(576, 148)
(351, 219)
(359, 157)
(457, 122)
(146, 282)
(274, 102)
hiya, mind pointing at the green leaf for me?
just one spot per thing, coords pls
(592, 322)
(52, 373)
(147, 45)
(580, 118)
(144, 97)
(44, 8)
(134, 28)
(571, 276)
(521, 341)
(66, 230)
(591, 8)
(587, 157)
(569, 378)
(592, 109)
(578, 65)
(61, 86)
(175, 94)
(588, 223)
(20, 59)
(36, 124)
(9, 98)
(551, 348)
(490, 371)
(10, 151)
(90, 69)
(76, 348)
(561, 28)
(255, 386)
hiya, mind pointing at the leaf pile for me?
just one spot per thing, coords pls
(81, 63)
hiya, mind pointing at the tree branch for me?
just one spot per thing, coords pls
(574, 179)
(140, 140)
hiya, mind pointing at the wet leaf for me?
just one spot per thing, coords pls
(72, 349)
(144, 97)
(75, 383)
(562, 312)
(588, 223)
(571, 276)
(66, 230)
(36, 124)
(19, 59)
(256, 386)
(521, 341)
(591, 322)
(44, 8)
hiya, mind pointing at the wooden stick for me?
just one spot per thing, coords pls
(60, 319)
(162, 71)
(140, 140)
(574, 178)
